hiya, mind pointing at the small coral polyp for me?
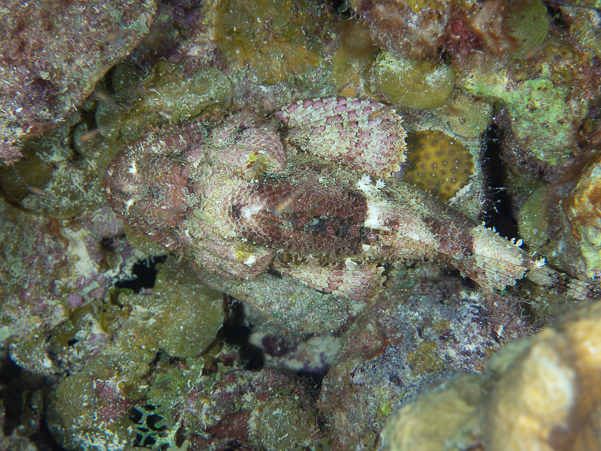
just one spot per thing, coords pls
(327, 212)
(438, 163)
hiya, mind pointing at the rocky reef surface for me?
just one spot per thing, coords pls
(294, 224)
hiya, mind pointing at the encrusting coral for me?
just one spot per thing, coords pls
(437, 163)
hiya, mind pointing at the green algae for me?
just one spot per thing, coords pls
(275, 39)
(413, 83)
(182, 315)
(424, 359)
(538, 107)
(466, 116)
(528, 22)
(166, 95)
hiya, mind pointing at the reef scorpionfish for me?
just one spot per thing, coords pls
(308, 192)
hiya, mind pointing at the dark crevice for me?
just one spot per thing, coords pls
(17, 388)
(144, 273)
(498, 213)
(235, 332)
(109, 80)
(341, 7)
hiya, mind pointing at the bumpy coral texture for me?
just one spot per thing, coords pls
(438, 163)
(312, 216)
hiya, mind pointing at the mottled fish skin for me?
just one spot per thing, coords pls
(247, 194)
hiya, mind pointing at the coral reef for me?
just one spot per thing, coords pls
(282, 44)
(179, 317)
(48, 269)
(538, 393)
(202, 247)
(537, 109)
(55, 179)
(265, 409)
(463, 28)
(51, 61)
(176, 97)
(410, 29)
(562, 223)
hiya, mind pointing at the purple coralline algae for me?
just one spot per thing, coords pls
(51, 58)
(50, 268)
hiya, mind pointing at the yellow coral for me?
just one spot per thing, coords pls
(438, 163)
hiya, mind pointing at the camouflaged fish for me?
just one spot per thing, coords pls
(307, 192)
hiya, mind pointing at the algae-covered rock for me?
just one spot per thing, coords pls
(401, 344)
(584, 28)
(565, 226)
(533, 219)
(528, 23)
(93, 407)
(52, 179)
(584, 216)
(275, 39)
(83, 416)
(537, 393)
(286, 303)
(353, 60)
(280, 424)
(409, 29)
(466, 116)
(143, 243)
(413, 83)
(52, 56)
(212, 409)
(166, 95)
(540, 110)
(182, 315)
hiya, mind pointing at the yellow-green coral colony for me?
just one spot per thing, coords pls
(275, 39)
(412, 83)
(438, 163)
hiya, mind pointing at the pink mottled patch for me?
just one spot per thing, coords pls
(340, 126)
